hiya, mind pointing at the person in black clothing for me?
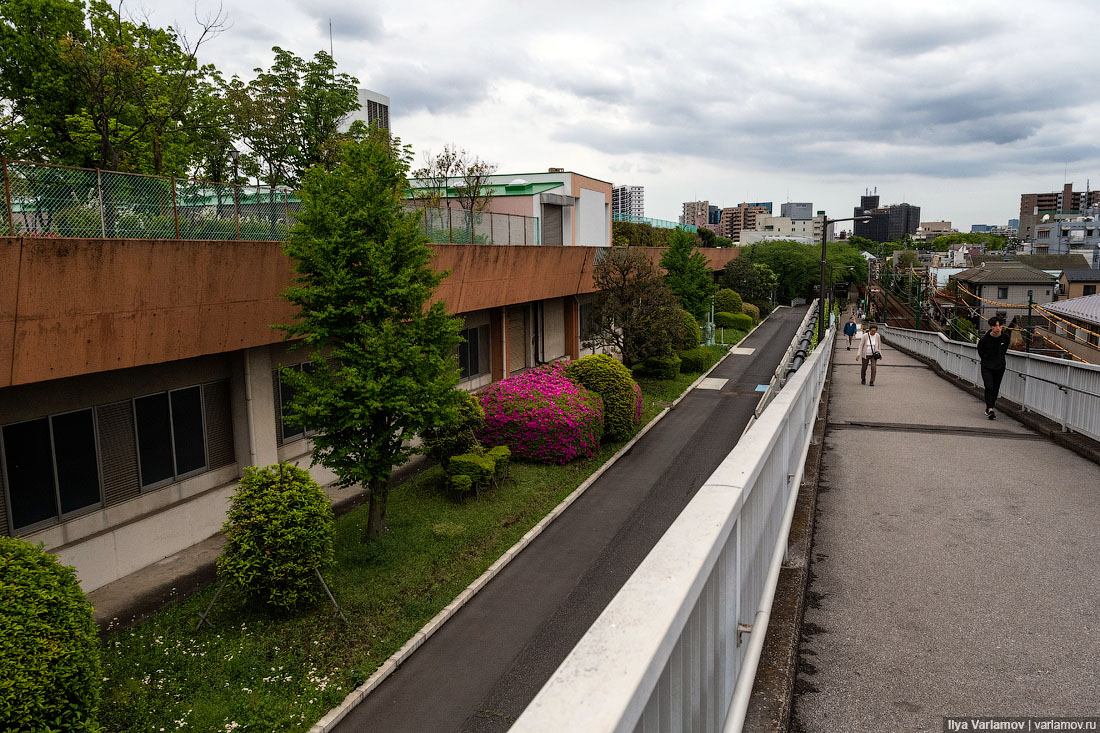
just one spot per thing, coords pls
(991, 350)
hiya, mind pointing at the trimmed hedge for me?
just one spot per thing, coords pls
(727, 301)
(471, 471)
(541, 415)
(280, 534)
(50, 667)
(694, 361)
(451, 440)
(658, 368)
(622, 398)
(723, 319)
(751, 310)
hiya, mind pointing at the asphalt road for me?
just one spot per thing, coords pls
(480, 670)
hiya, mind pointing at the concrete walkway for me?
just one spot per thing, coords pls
(953, 565)
(482, 667)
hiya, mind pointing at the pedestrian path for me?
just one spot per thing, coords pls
(953, 565)
(481, 668)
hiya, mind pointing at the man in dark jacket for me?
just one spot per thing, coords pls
(991, 350)
(850, 331)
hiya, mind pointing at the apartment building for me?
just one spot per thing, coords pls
(628, 200)
(743, 216)
(1053, 205)
(695, 213)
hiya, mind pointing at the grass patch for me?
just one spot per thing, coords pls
(257, 670)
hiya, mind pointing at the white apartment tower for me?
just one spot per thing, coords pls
(629, 200)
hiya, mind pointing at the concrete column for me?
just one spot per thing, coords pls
(254, 408)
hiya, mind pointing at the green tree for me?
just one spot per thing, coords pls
(634, 313)
(36, 82)
(689, 275)
(908, 258)
(752, 280)
(325, 101)
(362, 294)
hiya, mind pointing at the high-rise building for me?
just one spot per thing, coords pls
(743, 216)
(629, 200)
(695, 213)
(1034, 206)
(888, 223)
(714, 215)
(797, 211)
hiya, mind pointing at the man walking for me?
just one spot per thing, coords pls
(850, 331)
(991, 350)
(869, 353)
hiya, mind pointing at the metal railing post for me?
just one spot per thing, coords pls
(175, 207)
(7, 198)
(237, 209)
(102, 209)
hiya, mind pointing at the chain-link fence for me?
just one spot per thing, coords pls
(456, 226)
(60, 201)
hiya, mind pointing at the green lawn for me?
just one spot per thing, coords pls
(258, 671)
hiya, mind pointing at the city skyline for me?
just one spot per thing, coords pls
(956, 109)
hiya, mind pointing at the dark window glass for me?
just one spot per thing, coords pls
(77, 467)
(29, 461)
(1002, 293)
(154, 430)
(187, 432)
(483, 357)
(468, 353)
(291, 430)
(1089, 290)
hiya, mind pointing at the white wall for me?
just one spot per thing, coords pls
(591, 224)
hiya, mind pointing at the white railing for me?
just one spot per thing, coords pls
(677, 647)
(778, 377)
(1067, 392)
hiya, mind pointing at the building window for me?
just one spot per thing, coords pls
(51, 467)
(1042, 234)
(284, 395)
(1002, 293)
(1089, 290)
(588, 323)
(170, 435)
(473, 353)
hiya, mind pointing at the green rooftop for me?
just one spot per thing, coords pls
(497, 189)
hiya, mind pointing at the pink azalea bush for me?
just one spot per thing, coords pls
(542, 416)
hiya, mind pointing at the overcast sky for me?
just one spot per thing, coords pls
(957, 107)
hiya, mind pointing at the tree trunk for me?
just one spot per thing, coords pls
(376, 521)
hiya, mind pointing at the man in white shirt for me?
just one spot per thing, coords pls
(869, 352)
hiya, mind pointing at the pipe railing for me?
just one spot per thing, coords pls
(1064, 391)
(779, 378)
(677, 647)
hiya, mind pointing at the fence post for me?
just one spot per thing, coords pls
(237, 209)
(175, 208)
(7, 198)
(102, 210)
(286, 209)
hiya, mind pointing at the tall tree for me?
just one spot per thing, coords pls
(37, 83)
(689, 275)
(325, 100)
(135, 83)
(752, 281)
(362, 296)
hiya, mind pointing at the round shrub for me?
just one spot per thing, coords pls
(751, 310)
(694, 361)
(49, 652)
(764, 306)
(727, 301)
(656, 367)
(542, 416)
(622, 398)
(279, 531)
(687, 334)
(740, 321)
(459, 437)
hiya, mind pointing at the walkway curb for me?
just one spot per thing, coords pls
(356, 696)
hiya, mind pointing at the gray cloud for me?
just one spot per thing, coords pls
(350, 21)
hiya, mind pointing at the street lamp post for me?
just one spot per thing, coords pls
(235, 155)
(824, 236)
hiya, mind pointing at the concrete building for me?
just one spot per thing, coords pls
(695, 213)
(373, 107)
(743, 216)
(629, 200)
(569, 208)
(1056, 204)
(1075, 232)
(139, 377)
(796, 211)
(772, 228)
(929, 230)
(980, 228)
